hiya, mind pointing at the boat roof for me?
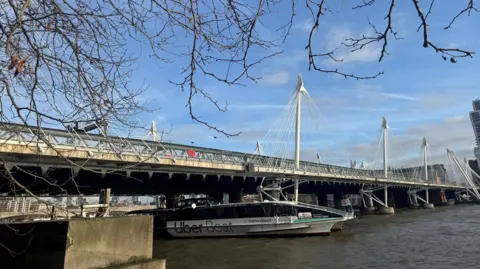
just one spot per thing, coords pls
(150, 210)
(249, 203)
(227, 205)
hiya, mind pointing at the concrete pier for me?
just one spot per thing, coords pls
(79, 243)
(414, 206)
(428, 206)
(386, 210)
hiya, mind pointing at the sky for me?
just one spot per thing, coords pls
(419, 93)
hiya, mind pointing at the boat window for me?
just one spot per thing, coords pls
(225, 212)
(181, 214)
(280, 210)
(205, 213)
(267, 208)
(199, 213)
(250, 211)
(293, 210)
(316, 213)
(302, 209)
(285, 210)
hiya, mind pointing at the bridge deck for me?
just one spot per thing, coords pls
(23, 145)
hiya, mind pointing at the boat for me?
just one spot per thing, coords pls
(202, 217)
(249, 219)
(244, 219)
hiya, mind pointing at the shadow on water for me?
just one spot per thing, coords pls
(445, 237)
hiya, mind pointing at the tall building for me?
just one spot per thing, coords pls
(475, 118)
(476, 104)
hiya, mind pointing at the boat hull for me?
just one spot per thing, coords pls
(337, 226)
(229, 229)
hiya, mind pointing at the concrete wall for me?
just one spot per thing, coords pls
(33, 245)
(108, 241)
(77, 243)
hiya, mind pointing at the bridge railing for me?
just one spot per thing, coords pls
(95, 143)
(282, 165)
(98, 143)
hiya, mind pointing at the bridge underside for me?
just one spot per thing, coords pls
(63, 181)
(56, 176)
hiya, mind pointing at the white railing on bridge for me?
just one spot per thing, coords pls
(95, 143)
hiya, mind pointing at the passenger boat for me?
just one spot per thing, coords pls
(246, 219)
(202, 217)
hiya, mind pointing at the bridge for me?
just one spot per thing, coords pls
(51, 150)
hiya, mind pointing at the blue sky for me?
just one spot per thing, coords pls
(420, 94)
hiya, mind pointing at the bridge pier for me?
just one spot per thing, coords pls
(442, 197)
(427, 204)
(414, 197)
(413, 200)
(385, 209)
(368, 197)
(368, 206)
(450, 197)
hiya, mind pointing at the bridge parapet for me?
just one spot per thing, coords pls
(64, 146)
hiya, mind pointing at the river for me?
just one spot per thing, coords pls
(445, 237)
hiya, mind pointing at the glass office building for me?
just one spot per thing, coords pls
(475, 119)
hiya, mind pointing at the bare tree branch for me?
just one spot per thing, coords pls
(321, 8)
(470, 7)
(364, 4)
(452, 52)
(360, 43)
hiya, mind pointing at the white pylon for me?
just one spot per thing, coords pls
(153, 132)
(385, 132)
(259, 150)
(300, 89)
(425, 157)
(425, 165)
(385, 163)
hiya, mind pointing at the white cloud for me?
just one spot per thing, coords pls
(304, 25)
(372, 95)
(286, 62)
(447, 98)
(401, 23)
(256, 106)
(338, 35)
(400, 96)
(367, 54)
(369, 109)
(278, 78)
(455, 118)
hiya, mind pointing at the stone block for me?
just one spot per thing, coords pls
(76, 243)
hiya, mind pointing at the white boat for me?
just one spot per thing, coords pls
(201, 217)
(253, 219)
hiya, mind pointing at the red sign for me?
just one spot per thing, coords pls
(191, 153)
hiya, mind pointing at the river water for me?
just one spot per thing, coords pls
(445, 237)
